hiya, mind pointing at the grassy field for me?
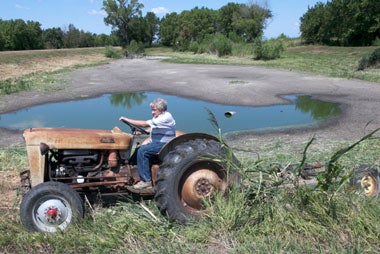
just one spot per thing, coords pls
(341, 62)
(265, 215)
(43, 69)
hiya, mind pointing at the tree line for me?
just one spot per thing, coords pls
(342, 23)
(238, 22)
(20, 35)
(338, 22)
(242, 22)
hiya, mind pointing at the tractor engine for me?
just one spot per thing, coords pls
(80, 166)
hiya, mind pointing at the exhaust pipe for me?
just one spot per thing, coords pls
(229, 114)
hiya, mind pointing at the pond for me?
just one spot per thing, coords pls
(191, 115)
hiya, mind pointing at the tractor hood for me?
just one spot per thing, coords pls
(68, 138)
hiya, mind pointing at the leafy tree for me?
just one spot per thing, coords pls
(313, 23)
(120, 14)
(86, 39)
(233, 20)
(71, 37)
(140, 31)
(342, 22)
(199, 23)
(226, 16)
(152, 24)
(53, 38)
(2, 41)
(249, 23)
(102, 40)
(19, 35)
(169, 29)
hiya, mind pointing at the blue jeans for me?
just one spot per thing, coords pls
(144, 153)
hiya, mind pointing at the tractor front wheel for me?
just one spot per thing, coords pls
(50, 206)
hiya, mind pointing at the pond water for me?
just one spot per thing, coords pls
(191, 115)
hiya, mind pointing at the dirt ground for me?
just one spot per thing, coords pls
(235, 85)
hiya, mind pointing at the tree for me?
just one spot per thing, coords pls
(152, 24)
(71, 37)
(102, 40)
(313, 23)
(120, 14)
(199, 22)
(342, 22)
(19, 35)
(169, 29)
(226, 16)
(249, 23)
(53, 38)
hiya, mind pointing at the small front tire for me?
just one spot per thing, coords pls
(50, 206)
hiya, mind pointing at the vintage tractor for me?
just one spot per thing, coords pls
(67, 165)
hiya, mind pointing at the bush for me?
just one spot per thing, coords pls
(134, 48)
(221, 45)
(112, 52)
(370, 60)
(242, 49)
(268, 50)
(376, 42)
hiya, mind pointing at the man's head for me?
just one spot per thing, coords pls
(158, 106)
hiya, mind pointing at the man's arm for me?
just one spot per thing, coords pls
(140, 123)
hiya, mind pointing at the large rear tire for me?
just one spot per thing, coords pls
(366, 180)
(50, 206)
(191, 172)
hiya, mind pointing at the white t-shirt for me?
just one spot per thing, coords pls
(162, 128)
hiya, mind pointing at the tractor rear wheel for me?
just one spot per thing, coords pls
(366, 180)
(193, 171)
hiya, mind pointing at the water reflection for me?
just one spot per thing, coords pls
(191, 115)
(128, 100)
(318, 109)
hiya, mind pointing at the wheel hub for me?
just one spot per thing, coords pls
(203, 187)
(52, 214)
(199, 185)
(368, 183)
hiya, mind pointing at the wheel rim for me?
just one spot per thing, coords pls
(199, 184)
(369, 185)
(51, 214)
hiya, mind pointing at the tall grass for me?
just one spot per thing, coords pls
(260, 216)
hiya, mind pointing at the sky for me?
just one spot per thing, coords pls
(87, 15)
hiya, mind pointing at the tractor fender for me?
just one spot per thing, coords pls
(181, 139)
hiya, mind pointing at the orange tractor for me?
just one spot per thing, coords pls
(67, 165)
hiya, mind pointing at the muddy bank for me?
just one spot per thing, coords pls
(234, 85)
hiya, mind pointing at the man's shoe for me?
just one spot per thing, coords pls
(142, 185)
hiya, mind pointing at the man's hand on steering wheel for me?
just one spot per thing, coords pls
(136, 130)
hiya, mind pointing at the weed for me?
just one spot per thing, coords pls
(370, 60)
(113, 53)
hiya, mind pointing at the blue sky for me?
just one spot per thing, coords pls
(88, 15)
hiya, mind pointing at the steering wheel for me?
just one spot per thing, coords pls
(135, 127)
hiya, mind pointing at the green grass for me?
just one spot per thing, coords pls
(260, 217)
(17, 57)
(326, 61)
(339, 62)
(45, 80)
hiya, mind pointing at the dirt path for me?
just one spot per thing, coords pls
(237, 85)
